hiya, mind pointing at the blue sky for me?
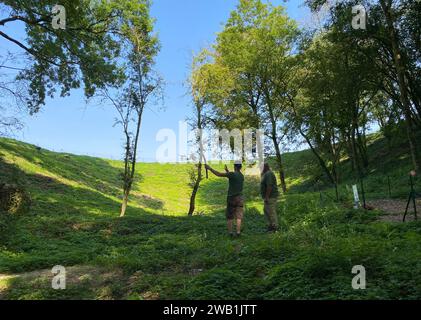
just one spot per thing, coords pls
(183, 26)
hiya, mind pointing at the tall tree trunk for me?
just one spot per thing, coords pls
(280, 165)
(274, 137)
(199, 125)
(403, 88)
(126, 177)
(362, 147)
(132, 166)
(195, 189)
(124, 203)
(335, 175)
(350, 151)
(355, 154)
(319, 158)
(335, 152)
(313, 149)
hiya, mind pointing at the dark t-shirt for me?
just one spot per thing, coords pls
(269, 179)
(236, 181)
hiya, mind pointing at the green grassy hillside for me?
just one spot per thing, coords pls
(157, 252)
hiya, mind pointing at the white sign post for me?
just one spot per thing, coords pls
(356, 197)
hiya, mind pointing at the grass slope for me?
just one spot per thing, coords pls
(386, 164)
(156, 252)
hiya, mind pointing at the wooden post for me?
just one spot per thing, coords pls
(412, 196)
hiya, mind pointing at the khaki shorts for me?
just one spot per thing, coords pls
(235, 208)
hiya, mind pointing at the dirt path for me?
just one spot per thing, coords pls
(394, 209)
(94, 278)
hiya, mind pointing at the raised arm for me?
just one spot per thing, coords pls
(217, 173)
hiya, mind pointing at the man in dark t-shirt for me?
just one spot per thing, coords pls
(235, 200)
(269, 192)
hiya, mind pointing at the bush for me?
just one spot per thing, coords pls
(14, 199)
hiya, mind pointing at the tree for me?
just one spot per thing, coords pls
(58, 59)
(197, 86)
(393, 34)
(195, 172)
(254, 53)
(390, 17)
(313, 112)
(140, 86)
(332, 99)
